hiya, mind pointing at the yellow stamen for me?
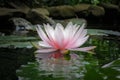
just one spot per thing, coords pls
(65, 51)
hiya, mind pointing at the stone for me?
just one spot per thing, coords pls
(62, 12)
(38, 18)
(96, 10)
(109, 6)
(41, 11)
(81, 7)
(78, 21)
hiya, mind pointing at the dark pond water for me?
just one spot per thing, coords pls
(17, 60)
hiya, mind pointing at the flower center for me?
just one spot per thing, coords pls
(65, 51)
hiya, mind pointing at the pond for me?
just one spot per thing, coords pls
(18, 60)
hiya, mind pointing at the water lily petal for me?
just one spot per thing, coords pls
(76, 36)
(67, 33)
(50, 31)
(78, 43)
(79, 32)
(67, 29)
(70, 34)
(42, 35)
(59, 36)
(68, 25)
(83, 33)
(84, 49)
(81, 39)
(43, 44)
(74, 30)
(45, 50)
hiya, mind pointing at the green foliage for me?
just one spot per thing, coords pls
(95, 2)
(30, 3)
(107, 50)
(106, 1)
(73, 2)
(39, 3)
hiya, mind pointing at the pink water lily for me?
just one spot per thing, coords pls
(59, 38)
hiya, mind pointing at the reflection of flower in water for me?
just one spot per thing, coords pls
(56, 64)
(53, 55)
(63, 39)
